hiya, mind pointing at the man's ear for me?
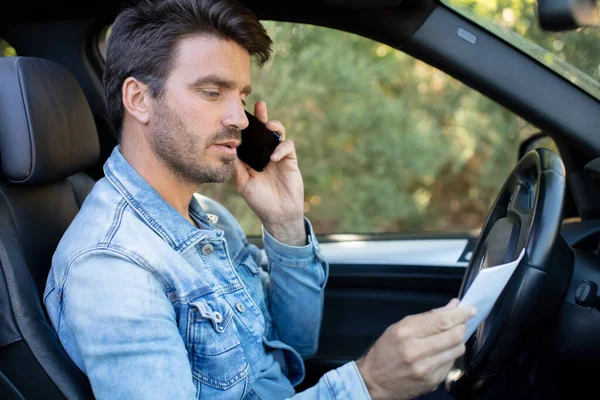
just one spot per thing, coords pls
(136, 99)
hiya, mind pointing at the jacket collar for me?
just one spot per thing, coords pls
(159, 215)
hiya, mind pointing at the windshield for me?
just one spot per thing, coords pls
(573, 54)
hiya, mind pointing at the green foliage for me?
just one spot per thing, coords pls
(388, 143)
(385, 142)
(6, 50)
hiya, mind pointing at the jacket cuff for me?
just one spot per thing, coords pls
(294, 256)
(346, 382)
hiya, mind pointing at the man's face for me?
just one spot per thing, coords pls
(195, 125)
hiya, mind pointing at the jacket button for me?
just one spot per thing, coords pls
(207, 249)
(218, 317)
(240, 307)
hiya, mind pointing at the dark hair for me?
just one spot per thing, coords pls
(143, 38)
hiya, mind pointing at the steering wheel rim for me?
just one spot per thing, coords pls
(527, 213)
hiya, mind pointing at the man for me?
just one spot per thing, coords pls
(155, 291)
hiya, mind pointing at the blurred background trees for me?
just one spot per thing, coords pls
(387, 143)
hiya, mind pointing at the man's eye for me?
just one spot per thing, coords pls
(211, 95)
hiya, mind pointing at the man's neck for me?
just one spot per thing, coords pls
(174, 191)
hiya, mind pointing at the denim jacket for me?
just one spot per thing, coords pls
(151, 307)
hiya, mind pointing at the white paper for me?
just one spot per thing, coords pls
(485, 290)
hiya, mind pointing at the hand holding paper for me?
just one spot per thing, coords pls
(485, 290)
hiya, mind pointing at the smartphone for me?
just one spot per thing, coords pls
(258, 143)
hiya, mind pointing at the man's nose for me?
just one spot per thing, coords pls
(236, 117)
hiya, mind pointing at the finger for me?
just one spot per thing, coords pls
(442, 372)
(240, 175)
(284, 150)
(441, 342)
(451, 304)
(443, 362)
(436, 368)
(432, 322)
(260, 111)
(277, 127)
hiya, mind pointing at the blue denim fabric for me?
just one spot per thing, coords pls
(150, 307)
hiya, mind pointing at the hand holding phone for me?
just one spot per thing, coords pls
(277, 195)
(258, 144)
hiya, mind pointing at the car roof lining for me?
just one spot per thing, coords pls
(405, 19)
(66, 9)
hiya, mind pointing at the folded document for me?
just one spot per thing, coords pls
(485, 290)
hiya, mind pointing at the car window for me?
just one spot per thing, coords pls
(6, 50)
(386, 143)
(573, 54)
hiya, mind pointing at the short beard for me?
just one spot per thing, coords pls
(182, 152)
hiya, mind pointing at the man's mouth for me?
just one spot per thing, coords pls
(232, 144)
(228, 148)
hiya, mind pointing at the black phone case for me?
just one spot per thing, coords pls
(258, 144)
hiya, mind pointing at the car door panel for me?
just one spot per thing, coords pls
(375, 283)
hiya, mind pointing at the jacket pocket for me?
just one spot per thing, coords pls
(219, 364)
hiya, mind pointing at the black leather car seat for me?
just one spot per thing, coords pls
(47, 138)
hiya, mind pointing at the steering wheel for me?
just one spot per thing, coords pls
(526, 214)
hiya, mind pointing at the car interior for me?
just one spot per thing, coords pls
(542, 338)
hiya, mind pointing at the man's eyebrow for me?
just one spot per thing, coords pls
(218, 81)
(247, 90)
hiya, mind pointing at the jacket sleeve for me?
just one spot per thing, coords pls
(297, 277)
(125, 329)
(343, 383)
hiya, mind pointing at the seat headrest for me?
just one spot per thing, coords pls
(47, 130)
